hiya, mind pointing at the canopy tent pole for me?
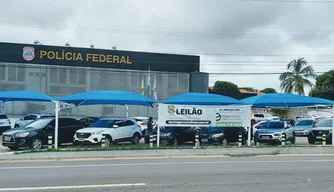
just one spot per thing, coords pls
(249, 127)
(2, 105)
(127, 110)
(158, 132)
(56, 122)
(333, 126)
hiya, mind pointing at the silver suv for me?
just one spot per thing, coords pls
(272, 131)
(4, 123)
(30, 118)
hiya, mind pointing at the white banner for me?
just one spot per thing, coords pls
(186, 115)
(204, 116)
(233, 116)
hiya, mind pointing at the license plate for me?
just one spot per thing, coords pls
(81, 139)
(319, 137)
(265, 137)
(7, 138)
(205, 140)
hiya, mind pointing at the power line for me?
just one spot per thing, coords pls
(255, 73)
(175, 33)
(290, 1)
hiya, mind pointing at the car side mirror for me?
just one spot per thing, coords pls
(115, 126)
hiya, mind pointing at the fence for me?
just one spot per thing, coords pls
(59, 81)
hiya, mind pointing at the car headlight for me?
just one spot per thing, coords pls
(165, 134)
(22, 134)
(217, 135)
(97, 132)
(277, 134)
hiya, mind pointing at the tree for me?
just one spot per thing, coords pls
(224, 86)
(268, 90)
(297, 77)
(325, 79)
(250, 89)
(322, 83)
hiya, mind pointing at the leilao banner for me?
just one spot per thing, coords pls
(233, 116)
(186, 115)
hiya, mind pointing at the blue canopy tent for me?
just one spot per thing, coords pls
(103, 97)
(202, 99)
(24, 96)
(199, 99)
(6, 96)
(282, 100)
(108, 97)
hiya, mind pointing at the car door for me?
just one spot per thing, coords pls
(117, 132)
(67, 129)
(288, 130)
(129, 128)
(47, 131)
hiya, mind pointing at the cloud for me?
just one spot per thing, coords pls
(183, 26)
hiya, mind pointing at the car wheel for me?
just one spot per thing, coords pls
(293, 140)
(223, 141)
(107, 142)
(174, 141)
(311, 141)
(36, 143)
(13, 148)
(135, 139)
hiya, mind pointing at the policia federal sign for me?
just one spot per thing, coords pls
(89, 57)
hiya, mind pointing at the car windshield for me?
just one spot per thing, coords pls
(38, 124)
(103, 123)
(304, 122)
(273, 125)
(30, 117)
(3, 117)
(325, 123)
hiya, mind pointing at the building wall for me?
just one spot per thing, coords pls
(59, 81)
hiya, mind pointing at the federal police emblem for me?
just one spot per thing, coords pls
(28, 53)
(171, 109)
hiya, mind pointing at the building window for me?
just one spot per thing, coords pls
(73, 76)
(2, 72)
(82, 76)
(63, 76)
(21, 74)
(12, 74)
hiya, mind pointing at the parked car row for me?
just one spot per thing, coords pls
(180, 135)
(272, 131)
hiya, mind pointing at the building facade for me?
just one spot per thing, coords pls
(60, 71)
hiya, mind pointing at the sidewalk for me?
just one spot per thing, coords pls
(171, 153)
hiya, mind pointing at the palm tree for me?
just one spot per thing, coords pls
(297, 77)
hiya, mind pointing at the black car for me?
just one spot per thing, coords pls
(88, 121)
(324, 126)
(173, 135)
(223, 135)
(35, 134)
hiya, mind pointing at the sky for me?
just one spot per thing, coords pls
(247, 42)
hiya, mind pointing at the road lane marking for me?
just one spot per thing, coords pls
(73, 187)
(166, 163)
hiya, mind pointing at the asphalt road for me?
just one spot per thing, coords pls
(275, 174)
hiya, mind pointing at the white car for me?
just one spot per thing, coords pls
(4, 123)
(264, 117)
(115, 129)
(309, 117)
(30, 118)
(258, 126)
(142, 122)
